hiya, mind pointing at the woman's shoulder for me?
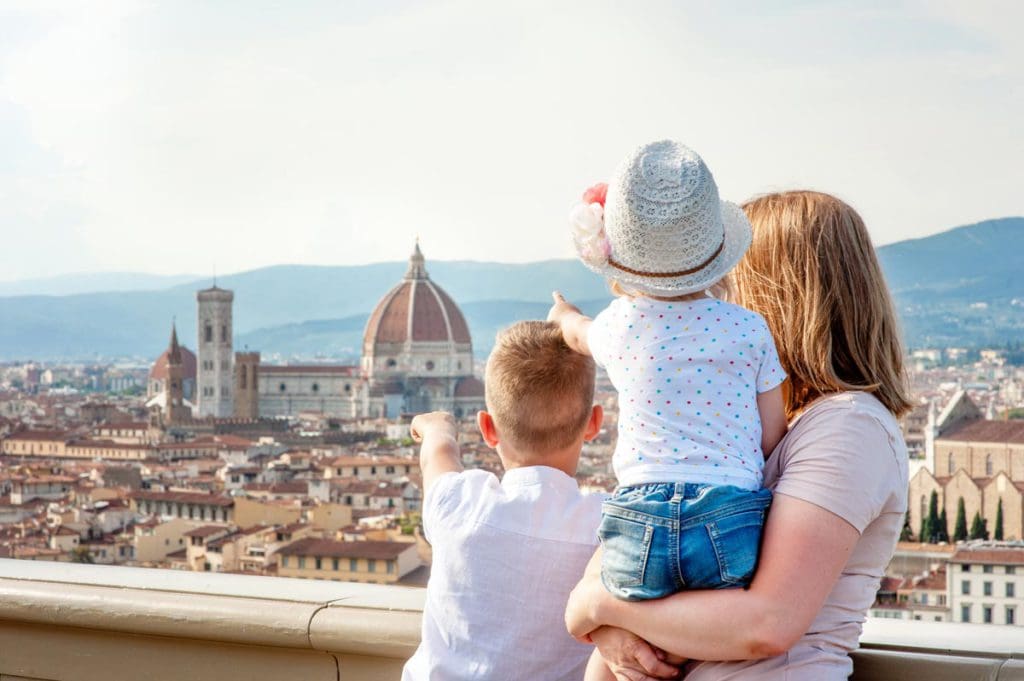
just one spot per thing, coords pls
(852, 409)
(853, 426)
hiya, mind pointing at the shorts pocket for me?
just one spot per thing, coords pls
(626, 547)
(736, 539)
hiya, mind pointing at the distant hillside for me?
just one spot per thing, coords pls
(73, 284)
(961, 287)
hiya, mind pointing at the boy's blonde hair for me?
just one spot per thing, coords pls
(538, 390)
(812, 273)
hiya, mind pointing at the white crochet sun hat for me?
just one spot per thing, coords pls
(662, 229)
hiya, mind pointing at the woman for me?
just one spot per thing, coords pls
(839, 476)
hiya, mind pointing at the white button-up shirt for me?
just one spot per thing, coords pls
(506, 556)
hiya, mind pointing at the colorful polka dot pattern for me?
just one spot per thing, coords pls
(688, 374)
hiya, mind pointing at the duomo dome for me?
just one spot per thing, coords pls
(417, 352)
(417, 330)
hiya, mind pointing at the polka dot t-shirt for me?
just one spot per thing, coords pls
(688, 374)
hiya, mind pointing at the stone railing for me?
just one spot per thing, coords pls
(69, 622)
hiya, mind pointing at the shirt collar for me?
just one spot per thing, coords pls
(536, 475)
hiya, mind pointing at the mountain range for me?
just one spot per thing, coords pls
(960, 287)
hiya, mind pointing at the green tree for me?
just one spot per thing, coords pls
(960, 532)
(978, 527)
(998, 533)
(930, 531)
(943, 533)
(81, 555)
(906, 534)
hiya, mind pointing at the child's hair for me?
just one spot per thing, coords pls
(538, 390)
(721, 289)
(812, 273)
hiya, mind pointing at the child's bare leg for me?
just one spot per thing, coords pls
(597, 670)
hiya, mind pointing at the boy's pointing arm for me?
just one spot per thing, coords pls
(439, 448)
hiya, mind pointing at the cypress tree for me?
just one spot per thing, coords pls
(960, 532)
(998, 535)
(978, 529)
(943, 533)
(931, 525)
(906, 534)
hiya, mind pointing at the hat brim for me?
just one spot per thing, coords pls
(738, 234)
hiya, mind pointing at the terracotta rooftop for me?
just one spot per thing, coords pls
(328, 548)
(188, 365)
(416, 310)
(987, 431)
(206, 531)
(40, 435)
(184, 497)
(990, 555)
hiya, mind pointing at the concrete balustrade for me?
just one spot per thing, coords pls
(67, 622)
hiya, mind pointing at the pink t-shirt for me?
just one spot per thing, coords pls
(846, 454)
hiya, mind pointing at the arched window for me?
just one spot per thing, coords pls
(988, 465)
(223, 333)
(208, 333)
(949, 460)
(282, 387)
(316, 387)
(243, 377)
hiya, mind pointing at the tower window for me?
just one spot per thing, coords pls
(223, 333)
(316, 387)
(282, 387)
(208, 333)
(430, 365)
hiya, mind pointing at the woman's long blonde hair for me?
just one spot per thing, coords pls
(812, 273)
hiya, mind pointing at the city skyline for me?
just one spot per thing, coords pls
(169, 138)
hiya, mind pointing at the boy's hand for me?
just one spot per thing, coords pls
(561, 309)
(434, 423)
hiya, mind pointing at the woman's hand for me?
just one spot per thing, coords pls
(586, 596)
(630, 658)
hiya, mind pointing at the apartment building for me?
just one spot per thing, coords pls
(986, 583)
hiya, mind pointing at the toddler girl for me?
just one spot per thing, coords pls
(698, 378)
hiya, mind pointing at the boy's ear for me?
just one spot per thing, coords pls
(488, 431)
(594, 423)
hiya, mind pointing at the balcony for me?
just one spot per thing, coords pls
(71, 622)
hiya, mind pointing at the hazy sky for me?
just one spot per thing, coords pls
(180, 136)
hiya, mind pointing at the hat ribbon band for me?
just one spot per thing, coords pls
(668, 275)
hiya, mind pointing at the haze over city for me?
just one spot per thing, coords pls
(185, 137)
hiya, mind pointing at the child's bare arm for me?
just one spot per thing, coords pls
(439, 447)
(574, 324)
(773, 419)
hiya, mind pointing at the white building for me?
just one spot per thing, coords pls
(986, 583)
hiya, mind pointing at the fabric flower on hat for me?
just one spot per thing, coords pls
(587, 223)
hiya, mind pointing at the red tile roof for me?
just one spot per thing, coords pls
(987, 431)
(185, 498)
(990, 556)
(328, 548)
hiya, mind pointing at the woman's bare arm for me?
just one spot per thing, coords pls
(805, 549)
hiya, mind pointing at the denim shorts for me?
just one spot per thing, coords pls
(666, 537)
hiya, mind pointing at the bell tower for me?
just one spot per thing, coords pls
(215, 371)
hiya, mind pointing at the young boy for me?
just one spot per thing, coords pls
(507, 553)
